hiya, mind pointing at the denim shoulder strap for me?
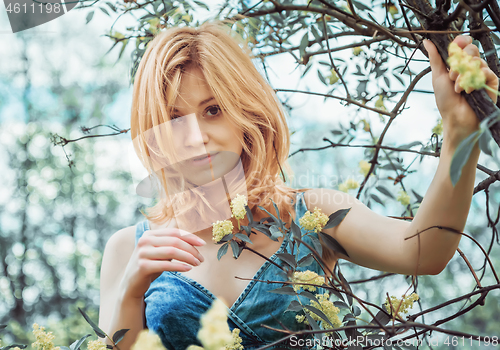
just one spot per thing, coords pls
(140, 228)
(300, 206)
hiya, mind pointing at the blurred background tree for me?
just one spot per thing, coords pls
(58, 206)
(361, 100)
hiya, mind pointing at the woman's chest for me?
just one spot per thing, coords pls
(227, 278)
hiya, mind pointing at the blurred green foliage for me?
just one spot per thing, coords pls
(55, 219)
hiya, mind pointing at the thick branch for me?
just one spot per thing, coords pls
(487, 182)
(489, 50)
(479, 100)
(359, 25)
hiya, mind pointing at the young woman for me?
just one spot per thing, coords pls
(201, 117)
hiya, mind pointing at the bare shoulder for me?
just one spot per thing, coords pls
(329, 200)
(117, 253)
(121, 242)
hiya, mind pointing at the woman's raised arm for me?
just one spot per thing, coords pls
(383, 243)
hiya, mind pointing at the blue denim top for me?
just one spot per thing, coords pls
(175, 302)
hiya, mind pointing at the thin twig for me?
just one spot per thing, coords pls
(331, 58)
(470, 267)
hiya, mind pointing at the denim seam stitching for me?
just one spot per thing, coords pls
(259, 273)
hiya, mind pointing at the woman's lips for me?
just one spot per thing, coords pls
(203, 161)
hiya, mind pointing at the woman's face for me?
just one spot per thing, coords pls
(209, 144)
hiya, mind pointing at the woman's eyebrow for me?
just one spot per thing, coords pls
(205, 101)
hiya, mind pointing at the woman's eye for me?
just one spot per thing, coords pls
(212, 111)
(176, 119)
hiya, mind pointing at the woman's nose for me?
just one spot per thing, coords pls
(193, 134)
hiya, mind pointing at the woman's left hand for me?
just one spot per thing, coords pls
(459, 120)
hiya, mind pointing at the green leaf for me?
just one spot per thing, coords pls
(277, 213)
(306, 260)
(77, 343)
(356, 310)
(303, 44)
(337, 294)
(347, 286)
(247, 229)
(461, 156)
(235, 248)
(249, 214)
(316, 245)
(275, 231)
(322, 78)
(332, 243)
(118, 336)
(361, 6)
(294, 306)
(384, 190)
(288, 258)
(376, 198)
(379, 72)
(316, 34)
(222, 251)
(349, 317)
(387, 82)
(113, 46)
(104, 10)
(410, 145)
(226, 238)
(297, 233)
(265, 230)
(336, 218)
(284, 290)
(419, 197)
(358, 71)
(99, 332)
(111, 6)
(124, 45)
(151, 15)
(341, 305)
(243, 237)
(361, 87)
(90, 15)
(484, 143)
(271, 215)
(309, 295)
(201, 4)
(353, 334)
(312, 322)
(319, 313)
(396, 75)
(382, 317)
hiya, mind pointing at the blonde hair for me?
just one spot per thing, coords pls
(242, 93)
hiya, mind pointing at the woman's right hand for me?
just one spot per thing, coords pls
(153, 255)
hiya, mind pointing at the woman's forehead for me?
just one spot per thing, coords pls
(194, 90)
